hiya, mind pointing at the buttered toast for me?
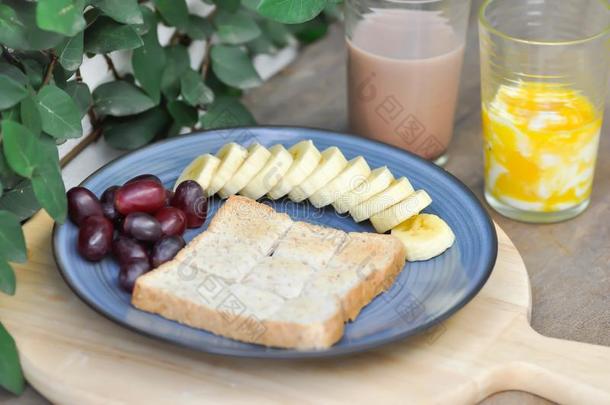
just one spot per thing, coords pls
(257, 276)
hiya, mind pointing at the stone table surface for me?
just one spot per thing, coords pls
(568, 263)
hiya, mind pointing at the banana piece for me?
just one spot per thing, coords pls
(305, 158)
(425, 236)
(397, 213)
(354, 174)
(257, 158)
(330, 165)
(396, 192)
(376, 182)
(231, 157)
(201, 169)
(273, 171)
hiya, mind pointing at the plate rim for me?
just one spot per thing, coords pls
(291, 354)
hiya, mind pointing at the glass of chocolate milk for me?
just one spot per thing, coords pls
(404, 64)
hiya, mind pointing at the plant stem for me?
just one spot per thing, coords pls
(111, 67)
(205, 62)
(49, 74)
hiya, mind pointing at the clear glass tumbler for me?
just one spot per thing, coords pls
(404, 64)
(544, 80)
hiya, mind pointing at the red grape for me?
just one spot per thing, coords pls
(126, 249)
(95, 237)
(146, 176)
(82, 203)
(140, 196)
(169, 194)
(107, 201)
(190, 199)
(165, 249)
(142, 226)
(130, 271)
(172, 220)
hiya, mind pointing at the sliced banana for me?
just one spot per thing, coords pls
(273, 171)
(231, 157)
(397, 213)
(425, 236)
(396, 192)
(201, 169)
(257, 157)
(305, 159)
(354, 174)
(376, 182)
(330, 165)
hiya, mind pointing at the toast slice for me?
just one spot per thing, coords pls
(257, 276)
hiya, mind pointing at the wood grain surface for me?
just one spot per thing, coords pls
(73, 355)
(568, 262)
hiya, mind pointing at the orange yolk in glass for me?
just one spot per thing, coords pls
(540, 143)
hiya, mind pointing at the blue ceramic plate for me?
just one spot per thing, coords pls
(424, 294)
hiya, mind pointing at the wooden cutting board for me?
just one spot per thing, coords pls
(72, 355)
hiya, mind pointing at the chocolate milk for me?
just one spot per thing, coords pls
(403, 73)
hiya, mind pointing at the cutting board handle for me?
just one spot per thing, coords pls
(563, 371)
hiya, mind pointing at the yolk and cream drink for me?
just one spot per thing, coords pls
(403, 72)
(540, 146)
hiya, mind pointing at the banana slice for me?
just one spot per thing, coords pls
(397, 213)
(273, 171)
(201, 169)
(305, 159)
(231, 157)
(425, 236)
(354, 174)
(257, 158)
(378, 180)
(331, 164)
(398, 191)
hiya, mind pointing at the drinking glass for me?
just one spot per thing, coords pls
(544, 80)
(404, 64)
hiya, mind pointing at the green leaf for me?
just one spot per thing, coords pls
(148, 63)
(79, 92)
(33, 71)
(7, 278)
(198, 27)
(233, 67)
(250, 4)
(261, 45)
(11, 92)
(12, 243)
(278, 33)
(174, 12)
(123, 11)
(30, 117)
(50, 190)
(310, 31)
(229, 5)
(291, 11)
(70, 52)
(182, 113)
(20, 147)
(235, 28)
(135, 131)
(149, 20)
(120, 98)
(8, 177)
(105, 35)
(60, 115)
(11, 376)
(13, 72)
(62, 16)
(194, 90)
(226, 112)
(47, 151)
(18, 28)
(20, 200)
(178, 62)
